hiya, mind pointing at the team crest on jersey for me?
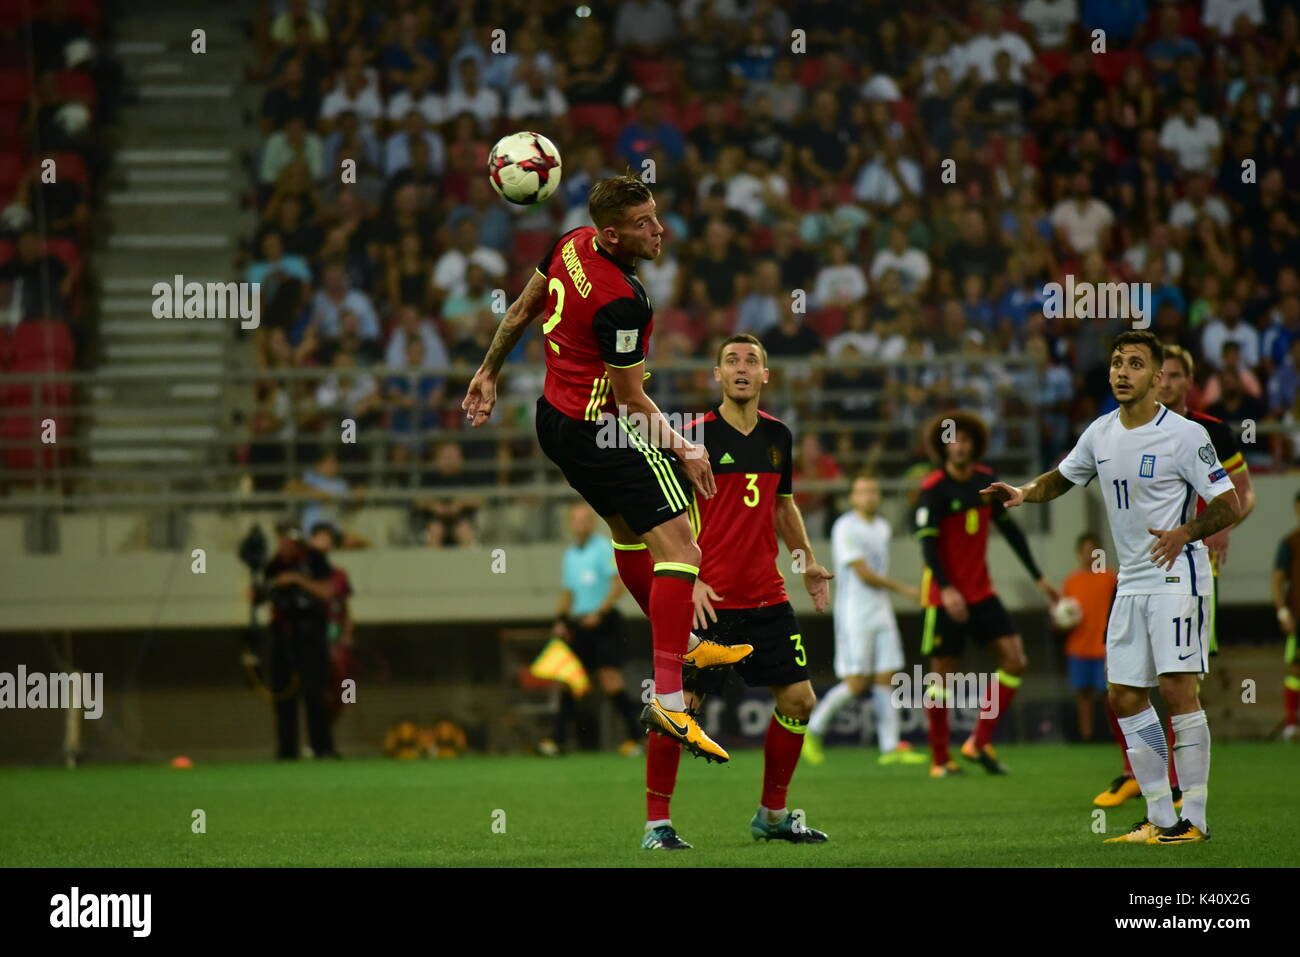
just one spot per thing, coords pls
(1206, 452)
(625, 340)
(1148, 469)
(774, 456)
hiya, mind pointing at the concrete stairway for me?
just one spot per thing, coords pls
(171, 206)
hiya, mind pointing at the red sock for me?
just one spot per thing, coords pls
(1119, 737)
(1290, 703)
(987, 722)
(936, 720)
(636, 569)
(1173, 769)
(662, 756)
(671, 611)
(781, 750)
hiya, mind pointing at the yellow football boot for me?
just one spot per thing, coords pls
(711, 654)
(1143, 832)
(682, 726)
(1123, 788)
(1184, 832)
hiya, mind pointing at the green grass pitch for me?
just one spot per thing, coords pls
(587, 810)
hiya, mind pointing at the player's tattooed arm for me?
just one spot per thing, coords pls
(517, 318)
(1219, 514)
(1046, 487)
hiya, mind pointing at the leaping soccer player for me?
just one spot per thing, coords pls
(952, 522)
(1150, 462)
(741, 597)
(598, 325)
(1171, 391)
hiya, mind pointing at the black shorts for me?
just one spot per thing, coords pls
(602, 646)
(778, 659)
(945, 638)
(630, 478)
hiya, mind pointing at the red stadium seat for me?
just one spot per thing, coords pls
(26, 429)
(43, 342)
(67, 252)
(530, 245)
(655, 77)
(12, 167)
(15, 87)
(11, 126)
(7, 251)
(826, 322)
(75, 85)
(6, 349)
(1110, 66)
(810, 72)
(1054, 61)
(603, 119)
(71, 166)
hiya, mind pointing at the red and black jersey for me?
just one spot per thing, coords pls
(960, 517)
(597, 311)
(737, 527)
(1225, 445)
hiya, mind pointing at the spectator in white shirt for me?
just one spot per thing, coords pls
(840, 282)
(761, 309)
(421, 94)
(889, 178)
(397, 148)
(979, 52)
(857, 333)
(449, 270)
(1221, 15)
(481, 102)
(1191, 138)
(351, 93)
(1156, 245)
(534, 98)
(911, 264)
(410, 326)
(1198, 202)
(1231, 328)
(1051, 20)
(1082, 222)
(336, 297)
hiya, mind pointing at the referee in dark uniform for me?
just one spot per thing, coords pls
(299, 585)
(587, 619)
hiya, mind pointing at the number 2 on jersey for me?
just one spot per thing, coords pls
(554, 319)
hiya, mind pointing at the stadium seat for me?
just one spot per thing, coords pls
(86, 12)
(7, 250)
(15, 87)
(12, 166)
(810, 72)
(655, 77)
(11, 128)
(530, 245)
(67, 252)
(603, 119)
(826, 322)
(43, 341)
(1054, 61)
(6, 349)
(76, 85)
(71, 166)
(1110, 66)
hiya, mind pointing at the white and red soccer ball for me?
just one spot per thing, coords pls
(524, 168)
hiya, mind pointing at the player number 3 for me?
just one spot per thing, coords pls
(751, 486)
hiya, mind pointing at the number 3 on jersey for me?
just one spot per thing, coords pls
(553, 320)
(751, 485)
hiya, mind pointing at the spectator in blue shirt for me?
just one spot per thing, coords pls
(646, 132)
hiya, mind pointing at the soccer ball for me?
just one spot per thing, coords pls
(1067, 613)
(524, 168)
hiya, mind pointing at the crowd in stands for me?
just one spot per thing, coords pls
(58, 91)
(891, 186)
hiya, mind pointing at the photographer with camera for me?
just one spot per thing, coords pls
(298, 582)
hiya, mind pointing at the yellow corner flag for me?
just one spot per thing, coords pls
(557, 662)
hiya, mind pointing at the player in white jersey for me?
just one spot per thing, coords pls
(867, 644)
(1150, 464)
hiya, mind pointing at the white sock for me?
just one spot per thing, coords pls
(692, 642)
(672, 702)
(651, 825)
(886, 718)
(1148, 753)
(1192, 761)
(827, 707)
(773, 816)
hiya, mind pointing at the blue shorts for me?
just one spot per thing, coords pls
(1086, 673)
